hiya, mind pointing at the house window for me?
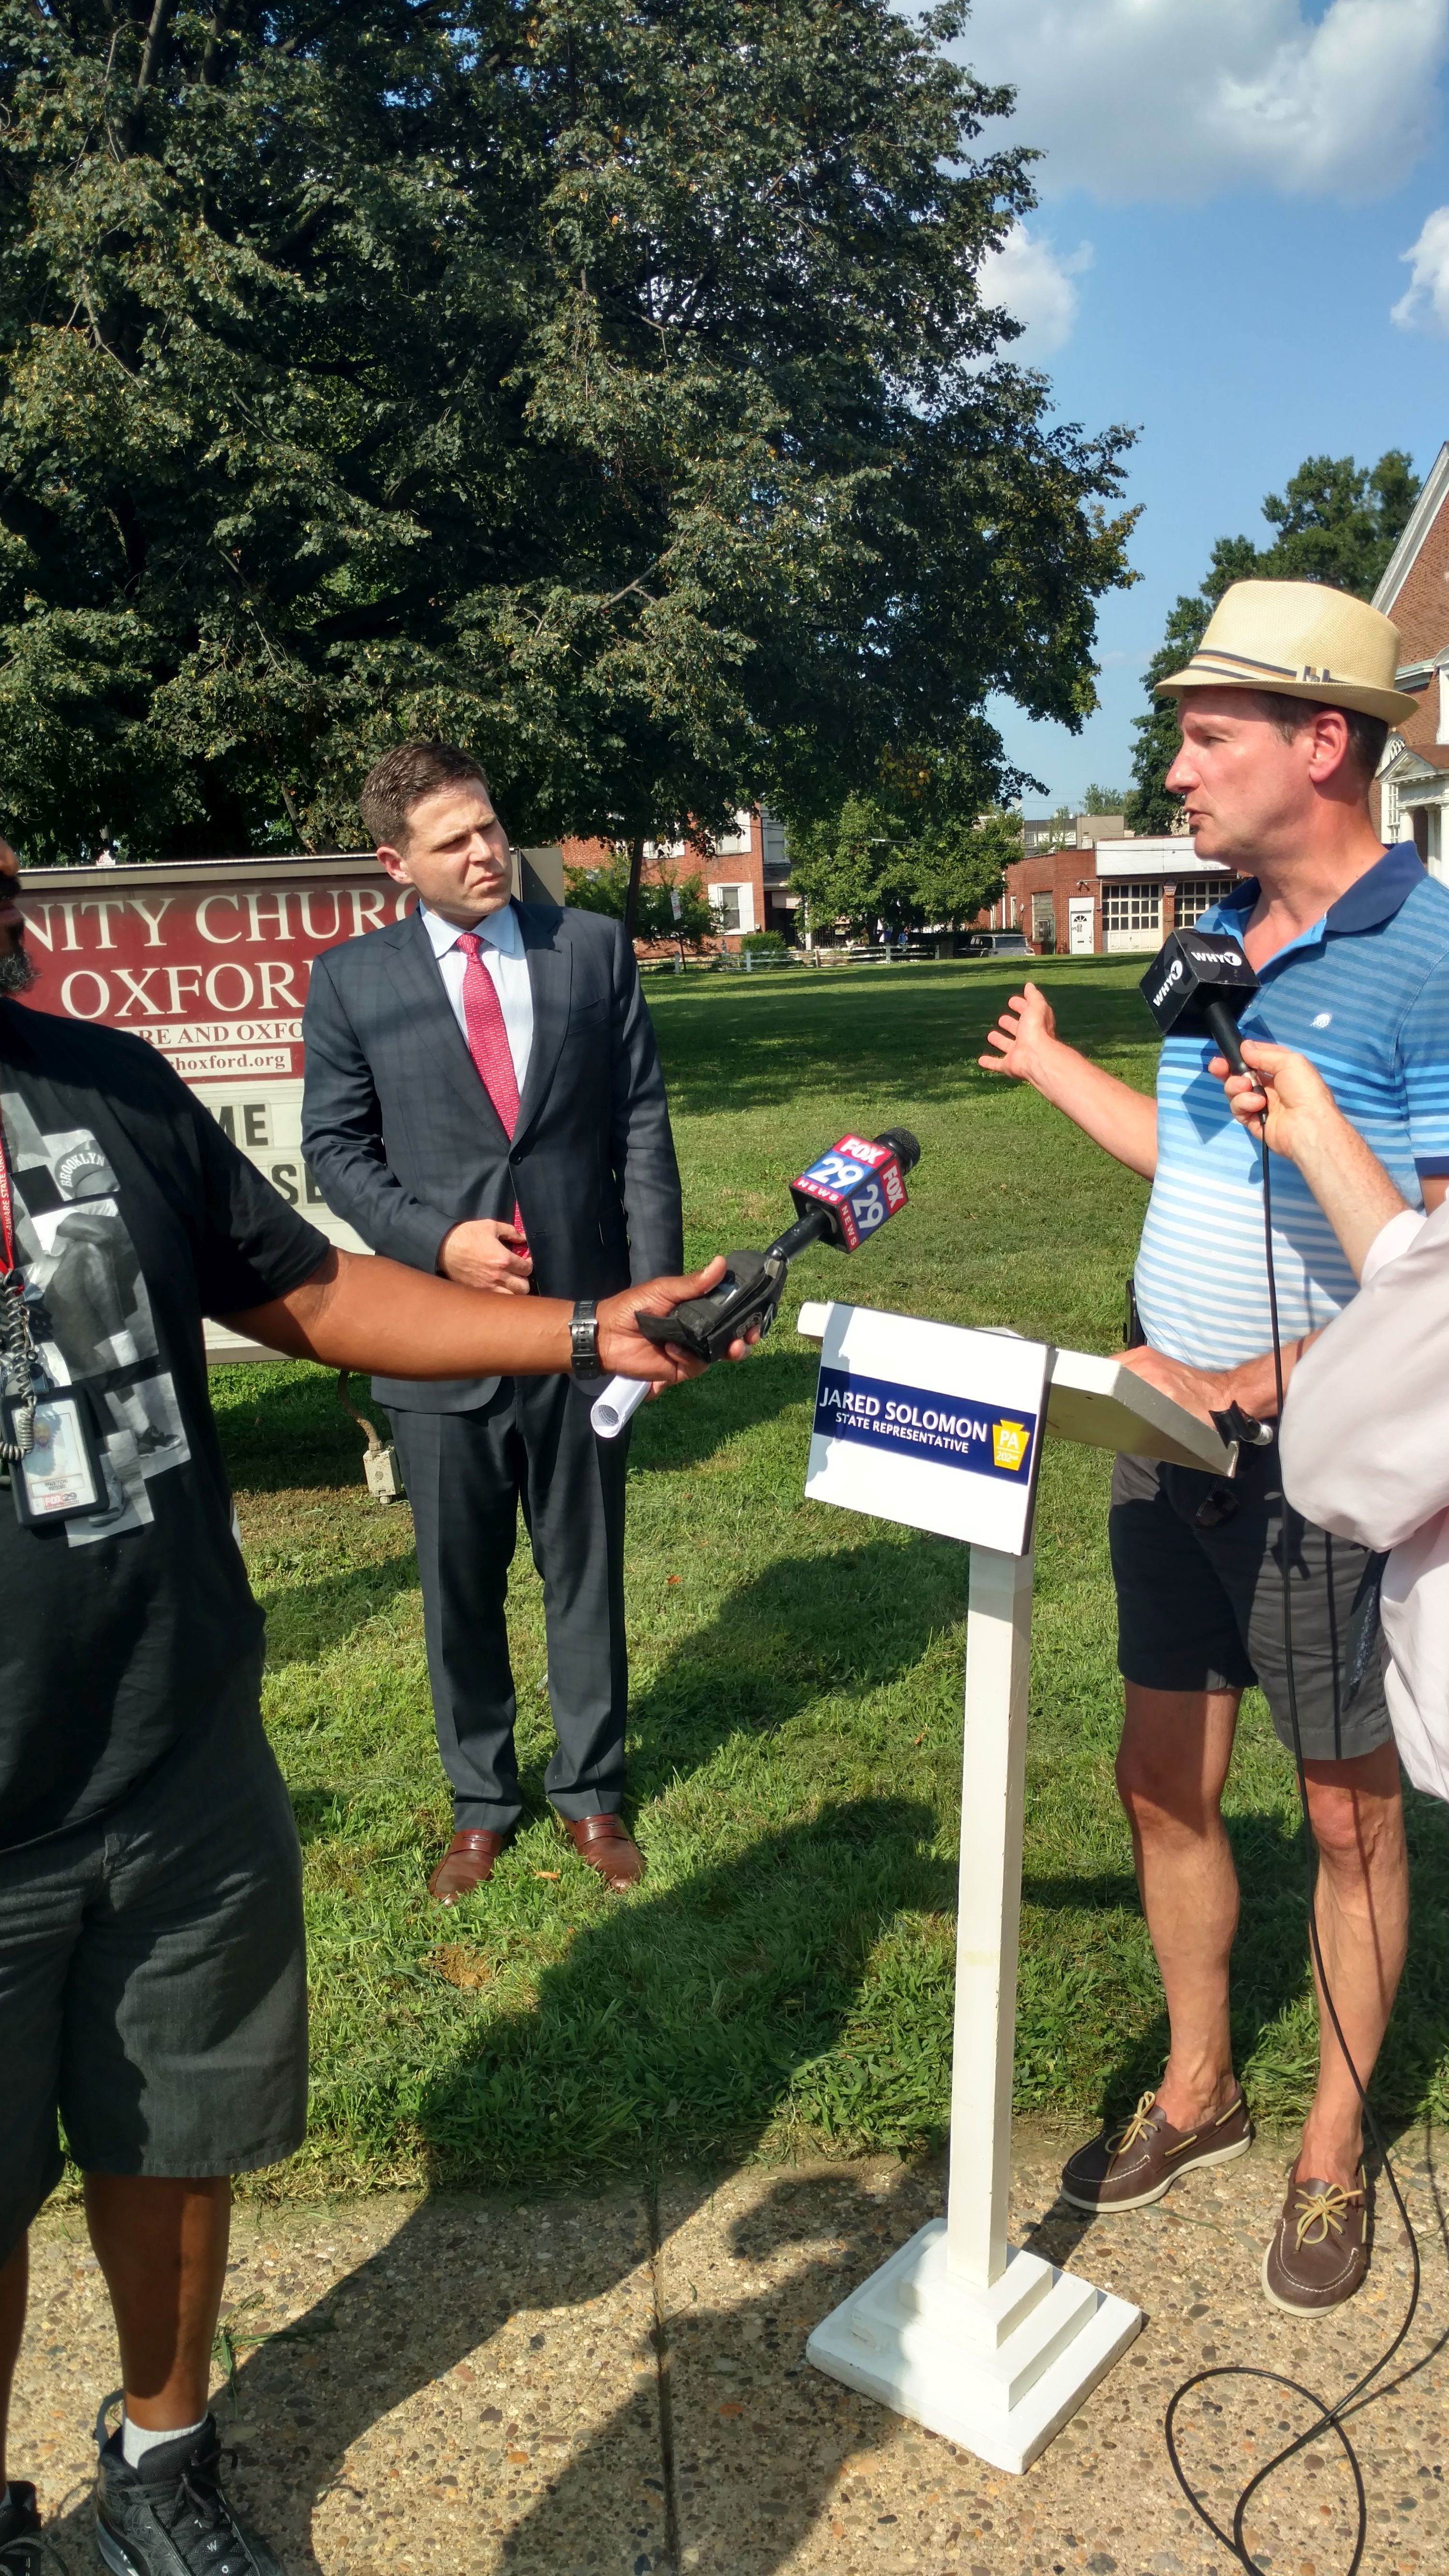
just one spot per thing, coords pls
(1390, 817)
(734, 905)
(1443, 733)
(1194, 900)
(1131, 913)
(735, 843)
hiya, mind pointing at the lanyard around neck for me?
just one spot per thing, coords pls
(17, 1349)
(7, 1217)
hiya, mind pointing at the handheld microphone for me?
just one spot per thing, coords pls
(1198, 986)
(844, 1197)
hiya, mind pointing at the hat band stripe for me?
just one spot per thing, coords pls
(1245, 662)
(1215, 656)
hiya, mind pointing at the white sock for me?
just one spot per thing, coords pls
(136, 2441)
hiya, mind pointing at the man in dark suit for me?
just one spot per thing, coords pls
(484, 1099)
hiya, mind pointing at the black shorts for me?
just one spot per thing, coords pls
(153, 1979)
(1200, 1601)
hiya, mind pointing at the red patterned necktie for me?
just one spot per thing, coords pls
(487, 1037)
(488, 1040)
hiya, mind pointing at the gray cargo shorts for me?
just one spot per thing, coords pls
(153, 1988)
(1200, 1600)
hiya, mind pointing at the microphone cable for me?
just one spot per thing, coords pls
(1329, 2417)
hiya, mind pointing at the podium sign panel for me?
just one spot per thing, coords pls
(929, 1425)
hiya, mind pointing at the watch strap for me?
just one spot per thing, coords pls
(584, 1337)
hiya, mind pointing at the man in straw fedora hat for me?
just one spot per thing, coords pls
(1284, 710)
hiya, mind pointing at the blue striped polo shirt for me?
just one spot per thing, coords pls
(1365, 995)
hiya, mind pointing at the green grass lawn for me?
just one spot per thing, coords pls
(782, 1980)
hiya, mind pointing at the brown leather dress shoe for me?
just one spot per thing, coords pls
(603, 1843)
(466, 1863)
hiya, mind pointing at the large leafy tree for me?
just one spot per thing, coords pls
(904, 858)
(1336, 522)
(605, 382)
(854, 867)
(666, 905)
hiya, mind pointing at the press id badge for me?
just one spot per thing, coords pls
(59, 1477)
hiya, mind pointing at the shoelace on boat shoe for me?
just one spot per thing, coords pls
(1322, 2210)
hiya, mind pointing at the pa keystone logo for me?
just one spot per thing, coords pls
(1010, 1442)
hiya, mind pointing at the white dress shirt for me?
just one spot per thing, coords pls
(1365, 1451)
(504, 957)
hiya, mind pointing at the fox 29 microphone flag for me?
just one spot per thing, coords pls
(859, 1181)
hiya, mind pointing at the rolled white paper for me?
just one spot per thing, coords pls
(620, 1400)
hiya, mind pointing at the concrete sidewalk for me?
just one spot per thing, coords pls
(616, 2387)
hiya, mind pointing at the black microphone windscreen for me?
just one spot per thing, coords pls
(903, 1145)
(1191, 968)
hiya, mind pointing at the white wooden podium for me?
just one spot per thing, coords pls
(985, 2343)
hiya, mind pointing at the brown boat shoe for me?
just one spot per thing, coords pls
(1319, 2251)
(1130, 2167)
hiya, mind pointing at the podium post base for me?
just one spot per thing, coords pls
(998, 2371)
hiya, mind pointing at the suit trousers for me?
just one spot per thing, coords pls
(531, 1444)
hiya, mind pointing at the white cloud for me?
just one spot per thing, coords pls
(1037, 288)
(1425, 305)
(1186, 99)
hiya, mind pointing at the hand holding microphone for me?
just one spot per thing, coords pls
(1199, 985)
(659, 1360)
(1279, 1095)
(844, 1197)
(1284, 1099)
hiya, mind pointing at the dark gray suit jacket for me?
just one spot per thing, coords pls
(405, 1142)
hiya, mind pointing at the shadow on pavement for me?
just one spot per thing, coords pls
(756, 2437)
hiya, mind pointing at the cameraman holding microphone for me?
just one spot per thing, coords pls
(1284, 712)
(152, 1970)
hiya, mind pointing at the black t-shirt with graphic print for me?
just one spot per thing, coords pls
(125, 1631)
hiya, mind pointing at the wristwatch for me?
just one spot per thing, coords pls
(584, 1335)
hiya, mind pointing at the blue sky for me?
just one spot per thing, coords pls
(1229, 192)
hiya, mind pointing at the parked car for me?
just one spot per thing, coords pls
(996, 943)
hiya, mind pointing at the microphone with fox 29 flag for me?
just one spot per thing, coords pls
(844, 1197)
(1198, 986)
(860, 1182)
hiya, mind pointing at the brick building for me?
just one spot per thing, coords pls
(1106, 892)
(746, 875)
(1413, 781)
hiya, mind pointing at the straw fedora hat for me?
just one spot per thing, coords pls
(1301, 640)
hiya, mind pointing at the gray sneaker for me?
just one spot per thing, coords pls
(170, 2516)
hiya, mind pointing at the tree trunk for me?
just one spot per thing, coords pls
(631, 900)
